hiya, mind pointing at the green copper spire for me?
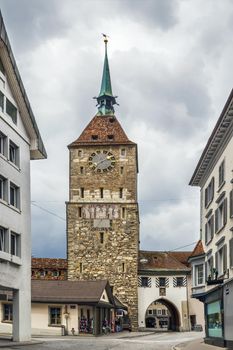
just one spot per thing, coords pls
(106, 100)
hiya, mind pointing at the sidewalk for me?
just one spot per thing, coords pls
(6, 342)
(196, 345)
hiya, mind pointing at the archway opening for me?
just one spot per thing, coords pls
(162, 315)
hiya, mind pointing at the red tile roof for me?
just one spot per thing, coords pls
(182, 256)
(106, 129)
(160, 260)
(49, 263)
(198, 250)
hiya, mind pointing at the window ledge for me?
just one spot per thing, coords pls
(3, 157)
(5, 321)
(14, 208)
(55, 325)
(15, 260)
(221, 186)
(3, 201)
(219, 230)
(14, 165)
(207, 243)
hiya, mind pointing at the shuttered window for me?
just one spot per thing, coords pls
(209, 229)
(231, 251)
(221, 215)
(209, 192)
(231, 203)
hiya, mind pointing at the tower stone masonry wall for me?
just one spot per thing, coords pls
(103, 233)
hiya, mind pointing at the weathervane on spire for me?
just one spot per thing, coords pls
(105, 38)
(106, 99)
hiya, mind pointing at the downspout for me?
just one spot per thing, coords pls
(187, 295)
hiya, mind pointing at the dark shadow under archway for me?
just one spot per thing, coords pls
(172, 319)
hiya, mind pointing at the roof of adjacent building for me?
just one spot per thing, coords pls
(49, 263)
(198, 250)
(39, 150)
(160, 260)
(54, 291)
(106, 128)
(217, 138)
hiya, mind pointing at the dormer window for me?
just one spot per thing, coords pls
(94, 137)
(110, 137)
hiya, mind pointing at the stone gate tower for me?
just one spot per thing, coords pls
(102, 212)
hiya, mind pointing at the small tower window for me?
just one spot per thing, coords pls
(94, 137)
(80, 267)
(80, 153)
(82, 192)
(101, 237)
(111, 137)
(121, 192)
(79, 212)
(123, 267)
(81, 170)
(121, 170)
(123, 213)
(101, 192)
(123, 152)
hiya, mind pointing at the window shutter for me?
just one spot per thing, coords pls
(205, 197)
(225, 212)
(231, 252)
(206, 239)
(206, 276)
(216, 220)
(212, 188)
(224, 258)
(212, 226)
(231, 206)
(216, 261)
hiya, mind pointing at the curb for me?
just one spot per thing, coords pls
(6, 343)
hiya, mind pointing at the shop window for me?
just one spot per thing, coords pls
(7, 312)
(54, 316)
(214, 320)
(11, 110)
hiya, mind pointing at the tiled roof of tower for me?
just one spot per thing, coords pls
(102, 130)
(158, 260)
(47, 263)
(198, 250)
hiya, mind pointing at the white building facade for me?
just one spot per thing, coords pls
(214, 176)
(20, 141)
(163, 279)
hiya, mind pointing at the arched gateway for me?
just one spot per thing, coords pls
(162, 314)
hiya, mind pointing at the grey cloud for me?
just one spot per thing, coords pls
(155, 13)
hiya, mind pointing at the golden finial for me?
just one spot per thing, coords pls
(105, 38)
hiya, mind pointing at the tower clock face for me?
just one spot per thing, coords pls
(102, 161)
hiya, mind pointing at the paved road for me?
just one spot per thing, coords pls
(131, 341)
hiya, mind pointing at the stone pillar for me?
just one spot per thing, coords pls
(21, 316)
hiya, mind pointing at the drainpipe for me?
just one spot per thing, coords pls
(187, 295)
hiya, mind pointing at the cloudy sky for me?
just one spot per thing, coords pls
(171, 66)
